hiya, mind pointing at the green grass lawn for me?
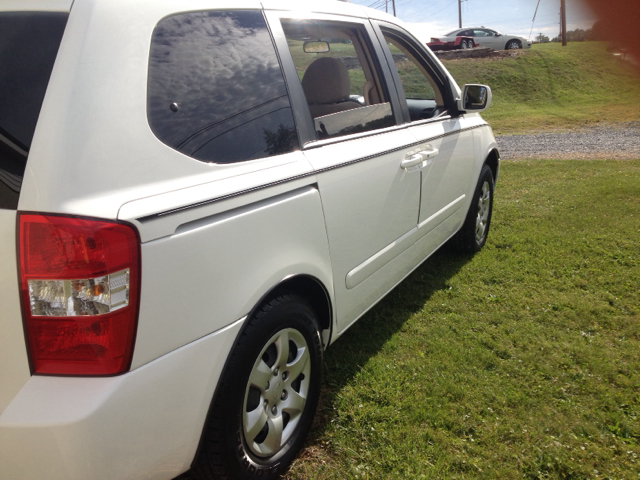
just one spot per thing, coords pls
(550, 87)
(519, 362)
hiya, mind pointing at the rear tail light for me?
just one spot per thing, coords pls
(79, 282)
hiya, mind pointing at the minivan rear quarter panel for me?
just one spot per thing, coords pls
(14, 365)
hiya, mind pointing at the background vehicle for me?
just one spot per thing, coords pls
(196, 202)
(485, 37)
(457, 43)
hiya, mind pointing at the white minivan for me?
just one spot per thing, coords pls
(197, 197)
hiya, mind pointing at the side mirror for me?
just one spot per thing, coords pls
(475, 98)
(315, 47)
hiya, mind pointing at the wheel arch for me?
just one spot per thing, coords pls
(493, 161)
(313, 291)
(306, 286)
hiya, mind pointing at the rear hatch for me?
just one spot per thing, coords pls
(29, 42)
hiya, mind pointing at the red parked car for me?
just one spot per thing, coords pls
(459, 42)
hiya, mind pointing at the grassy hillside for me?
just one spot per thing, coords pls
(550, 87)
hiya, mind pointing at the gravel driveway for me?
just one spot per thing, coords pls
(617, 141)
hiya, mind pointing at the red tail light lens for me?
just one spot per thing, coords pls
(79, 286)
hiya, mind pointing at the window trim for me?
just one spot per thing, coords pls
(370, 133)
(422, 56)
(301, 113)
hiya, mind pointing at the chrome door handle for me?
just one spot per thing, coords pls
(412, 160)
(419, 159)
(429, 154)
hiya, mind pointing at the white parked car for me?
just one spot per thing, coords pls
(484, 37)
(197, 197)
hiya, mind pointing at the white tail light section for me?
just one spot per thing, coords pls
(79, 284)
(68, 298)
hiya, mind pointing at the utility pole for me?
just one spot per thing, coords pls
(394, 7)
(460, 13)
(563, 22)
(386, 6)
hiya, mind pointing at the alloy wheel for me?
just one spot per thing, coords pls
(484, 208)
(276, 393)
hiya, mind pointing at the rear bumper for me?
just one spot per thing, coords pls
(143, 424)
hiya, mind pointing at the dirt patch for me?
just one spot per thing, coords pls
(478, 53)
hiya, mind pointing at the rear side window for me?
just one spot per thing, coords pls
(216, 91)
(29, 44)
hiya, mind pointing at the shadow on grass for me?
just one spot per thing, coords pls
(365, 339)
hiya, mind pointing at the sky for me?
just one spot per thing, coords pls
(437, 17)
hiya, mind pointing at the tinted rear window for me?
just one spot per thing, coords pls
(216, 91)
(29, 43)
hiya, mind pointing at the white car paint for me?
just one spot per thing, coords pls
(110, 428)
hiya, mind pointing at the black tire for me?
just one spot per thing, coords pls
(464, 44)
(513, 45)
(473, 234)
(240, 445)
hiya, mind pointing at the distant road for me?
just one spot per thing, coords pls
(615, 141)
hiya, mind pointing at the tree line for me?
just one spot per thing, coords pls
(596, 32)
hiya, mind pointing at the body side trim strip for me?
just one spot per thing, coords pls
(155, 216)
(234, 212)
(380, 259)
(425, 223)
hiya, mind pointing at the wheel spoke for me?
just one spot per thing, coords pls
(294, 404)
(282, 344)
(299, 363)
(253, 422)
(273, 442)
(480, 226)
(260, 376)
(486, 193)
